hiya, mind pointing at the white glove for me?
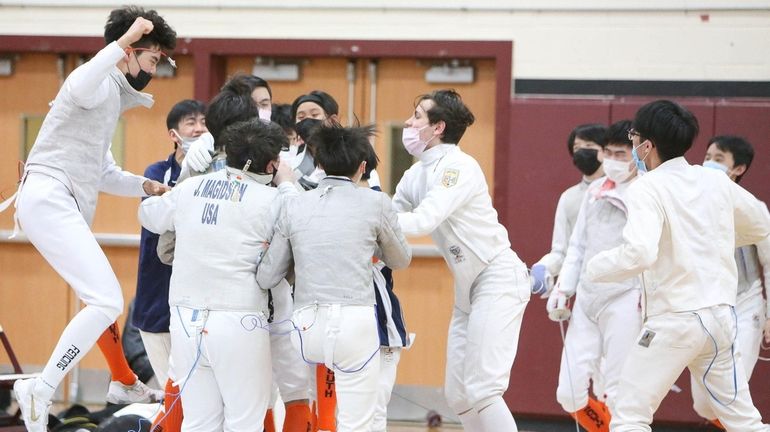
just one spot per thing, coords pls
(198, 157)
(557, 305)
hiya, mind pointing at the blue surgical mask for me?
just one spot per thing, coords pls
(640, 166)
(716, 166)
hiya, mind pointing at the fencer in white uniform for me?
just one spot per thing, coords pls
(219, 332)
(70, 163)
(584, 144)
(684, 222)
(329, 235)
(445, 194)
(733, 156)
(605, 318)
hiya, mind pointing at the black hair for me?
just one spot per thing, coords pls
(617, 133)
(371, 163)
(448, 107)
(669, 126)
(306, 127)
(340, 150)
(593, 132)
(245, 84)
(318, 97)
(183, 109)
(282, 115)
(227, 108)
(739, 147)
(120, 20)
(255, 140)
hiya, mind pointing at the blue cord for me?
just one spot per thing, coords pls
(716, 353)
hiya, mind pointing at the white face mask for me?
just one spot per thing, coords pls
(617, 171)
(185, 142)
(410, 137)
(265, 114)
(716, 165)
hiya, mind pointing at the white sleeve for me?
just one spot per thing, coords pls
(763, 253)
(641, 237)
(88, 85)
(115, 181)
(752, 220)
(156, 213)
(452, 188)
(278, 259)
(569, 275)
(554, 260)
(401, 200)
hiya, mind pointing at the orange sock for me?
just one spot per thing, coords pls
(297, 418)
(172, 415)
(594, 417)
(327, 399)
(269, 421)
(112, 350)
(314, 417)
(717, 423)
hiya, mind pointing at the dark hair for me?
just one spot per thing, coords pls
(371, 163)
(340, 150)
(617, 133)
(183, 109)
(593, 132)
(282, 115)
(255, 140)
(306, 128)
(226, 108)
(448, 107)
(670, 126)
(318, 97)
(245, 84)
(120, 20)
(739, 147)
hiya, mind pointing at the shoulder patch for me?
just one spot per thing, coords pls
(450, 177)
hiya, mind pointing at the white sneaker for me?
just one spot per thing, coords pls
(120, 393)
(34, 411)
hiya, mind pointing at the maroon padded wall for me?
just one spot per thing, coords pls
(540, 169)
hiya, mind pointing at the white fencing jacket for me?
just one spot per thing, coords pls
(222, 230)
(563, 224)
(445, 195)
(684, 223)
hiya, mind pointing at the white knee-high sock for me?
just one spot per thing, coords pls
(470, 421)
(497, 418)
(76, 340)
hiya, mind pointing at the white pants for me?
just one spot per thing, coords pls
(389, 358)
(610, 334)
(223, 369)
(49, 216)
(676, 341)
(482, 344)
(290, 372)
(751, 320)
(344, 338)
(158, 348)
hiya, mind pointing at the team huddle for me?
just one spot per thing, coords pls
(267, 252)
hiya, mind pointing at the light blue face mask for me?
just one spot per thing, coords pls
(716, 165)
(640, 166)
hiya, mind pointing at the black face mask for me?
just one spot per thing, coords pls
(140, 81)
(586, 160)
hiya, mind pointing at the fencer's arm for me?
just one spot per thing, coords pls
(401, 201)
(116, 181)
(752, 220)
(641, 237)
(88, 85)
(569, 275)
(440, 202)
(763, 253)
(394, 249)
(554, 260)
(278, 258)
(156, 213)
